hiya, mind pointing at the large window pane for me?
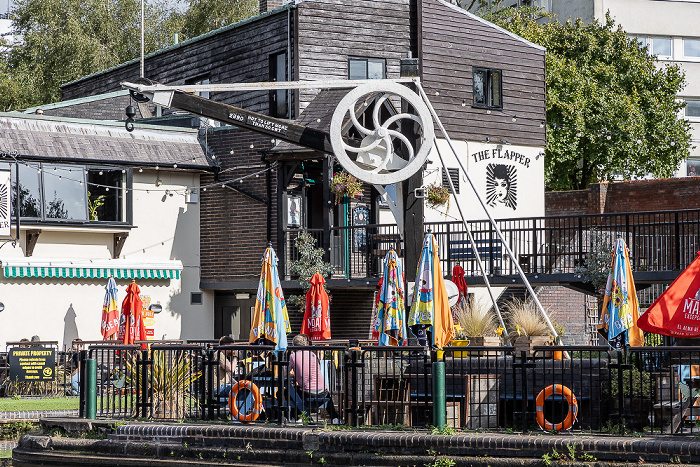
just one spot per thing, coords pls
(661, 46)
(64, 194)
(375, 69)
(479, 78)
(495, 88)
(29, 191)
(691, 48)
(692, 108)
(357, 68)
(105, 200)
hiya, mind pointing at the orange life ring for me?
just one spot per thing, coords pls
(570, 398)
(257, 406)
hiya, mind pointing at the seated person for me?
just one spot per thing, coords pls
(226, 369)
(75, 365)
(309, 382)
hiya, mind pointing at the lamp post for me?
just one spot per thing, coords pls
(142, 37)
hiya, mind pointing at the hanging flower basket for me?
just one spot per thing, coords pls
(437, 195)
(345, 184)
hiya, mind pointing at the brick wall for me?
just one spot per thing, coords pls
(568, 309)
(233, 225)
(628, 196)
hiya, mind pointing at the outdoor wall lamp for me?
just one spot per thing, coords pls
(155, 308)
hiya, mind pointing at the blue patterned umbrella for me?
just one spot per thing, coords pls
(390, 323)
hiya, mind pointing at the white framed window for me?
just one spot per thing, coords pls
(692, 109)
(661, 46)
(691, 48)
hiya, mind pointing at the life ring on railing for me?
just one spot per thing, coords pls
(257, 405)
(570, 398)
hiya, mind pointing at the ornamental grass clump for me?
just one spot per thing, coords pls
(476, 319)
(524, 319)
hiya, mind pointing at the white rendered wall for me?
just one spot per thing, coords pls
(167, 228)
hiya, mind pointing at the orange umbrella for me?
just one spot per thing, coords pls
(677, 311)
(131, 328)
(317, 321)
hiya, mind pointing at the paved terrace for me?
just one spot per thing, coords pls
(152, 444)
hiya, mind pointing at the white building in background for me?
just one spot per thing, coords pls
(97, 201)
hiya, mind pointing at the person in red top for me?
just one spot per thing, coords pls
(309, 382)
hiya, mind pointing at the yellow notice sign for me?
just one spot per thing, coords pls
(32, 364)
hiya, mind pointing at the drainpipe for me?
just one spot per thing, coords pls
(289, 61)
(268, 181)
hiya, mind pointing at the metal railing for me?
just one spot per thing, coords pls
(658, 241)
(646, 389)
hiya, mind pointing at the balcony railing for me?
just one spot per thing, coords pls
(658, 241)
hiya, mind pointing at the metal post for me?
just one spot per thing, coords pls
(677, 250)
(144, 389)
(91, 388)
(439, 400)
(81, 383)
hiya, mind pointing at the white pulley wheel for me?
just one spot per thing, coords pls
(374, 160)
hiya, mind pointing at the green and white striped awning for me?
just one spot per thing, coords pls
(96, 269)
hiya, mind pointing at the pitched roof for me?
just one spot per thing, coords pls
(69, 139)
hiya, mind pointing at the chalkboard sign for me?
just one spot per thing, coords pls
(32, 364)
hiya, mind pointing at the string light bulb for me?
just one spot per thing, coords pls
(101, 172)
(174, 166)
(140, 169)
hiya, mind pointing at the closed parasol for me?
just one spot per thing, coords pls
(618, 318)
(270, 324)
(390, 324)
(131, 328)
(110, 312)
(317, 321)
(430, 318)
(677, 311)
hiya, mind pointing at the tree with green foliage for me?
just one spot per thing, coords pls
(612, 110)
(203, 16)
(63, 40)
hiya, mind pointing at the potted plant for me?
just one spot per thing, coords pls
(477, 325)
(437, 195)
(526, 326)
(345, 184)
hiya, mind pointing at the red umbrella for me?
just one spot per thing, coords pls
(317, 320)
(677, 311)
(131, 328)
(458, 279)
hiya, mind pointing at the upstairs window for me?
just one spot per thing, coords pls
(487, 88)
(692, 110)
(661, 46)
(279, 99)
(69, 193)
(366, 68)
(691, 48)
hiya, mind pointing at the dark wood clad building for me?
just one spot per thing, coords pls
(329, 39)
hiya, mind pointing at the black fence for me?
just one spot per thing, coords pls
(658, 241)
(590, 389)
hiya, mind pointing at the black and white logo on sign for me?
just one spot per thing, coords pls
(501, 186)
(5, 203)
